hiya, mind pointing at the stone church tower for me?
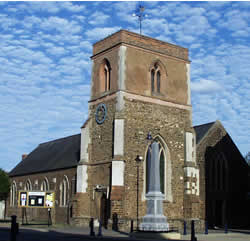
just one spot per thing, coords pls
(140, 85)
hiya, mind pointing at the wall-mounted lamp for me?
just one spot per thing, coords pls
(139, 158)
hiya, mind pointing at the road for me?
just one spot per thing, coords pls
(79, 234)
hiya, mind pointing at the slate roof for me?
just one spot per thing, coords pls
(201, 130)
(52, 155)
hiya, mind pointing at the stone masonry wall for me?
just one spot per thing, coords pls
(170, 124)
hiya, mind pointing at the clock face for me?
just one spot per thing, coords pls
(101, 113)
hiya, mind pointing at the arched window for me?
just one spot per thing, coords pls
(28, 185)
(45, 185)
(105, 73)
(64, 191)
(13, 194)
(156, 79)
(165, 169)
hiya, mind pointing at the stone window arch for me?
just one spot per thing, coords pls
(28, 185)
(45, 185)
(13, 194)
(165, 170)
(64, 191)
(157, 74)
(105, 76)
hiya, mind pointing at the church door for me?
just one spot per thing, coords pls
(104, 210)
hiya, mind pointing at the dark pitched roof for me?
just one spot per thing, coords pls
(52, 155)
(201, 130)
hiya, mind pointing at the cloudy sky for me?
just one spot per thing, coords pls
(45, 50)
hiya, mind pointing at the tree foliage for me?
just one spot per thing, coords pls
(4, 184)
(247, 158)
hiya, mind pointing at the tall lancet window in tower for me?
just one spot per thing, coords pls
(156, 79)
(162, 158)
(105, 74)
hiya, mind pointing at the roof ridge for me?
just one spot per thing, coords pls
(59, 139)
(212, 122)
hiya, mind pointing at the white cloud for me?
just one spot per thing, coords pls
(99, 33)
(98, 18)
(72, 7)
(60, 25)
(205, 86)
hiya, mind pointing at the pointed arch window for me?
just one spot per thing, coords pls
(13, 194)
(28, 185)
(45, 185)
(156, 79)
(105, 74)
(165, 170)
(162, 158)
(64, 191)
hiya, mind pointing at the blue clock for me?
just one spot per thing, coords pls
(101, 113)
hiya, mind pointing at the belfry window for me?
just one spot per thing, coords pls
(105, 74)
(156, 79)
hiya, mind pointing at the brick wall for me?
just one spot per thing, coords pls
(134, 39)
(59, 214)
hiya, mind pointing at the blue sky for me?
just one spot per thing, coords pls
(45, 50)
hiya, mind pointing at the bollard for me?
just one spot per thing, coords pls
(115, 222)
(100, 229)
(226, 228)
(13, 229)
(206, 227)
(91, 225)
(193, 238)
(49, 217)
(132, 226)
(184, 228)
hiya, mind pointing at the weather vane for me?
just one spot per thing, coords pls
(139, 13)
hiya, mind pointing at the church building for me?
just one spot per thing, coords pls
(140, 92)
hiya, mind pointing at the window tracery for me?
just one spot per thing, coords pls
(156, 78)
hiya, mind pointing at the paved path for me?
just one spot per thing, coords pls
(67, 233)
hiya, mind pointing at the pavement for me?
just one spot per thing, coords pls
(59, 233)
